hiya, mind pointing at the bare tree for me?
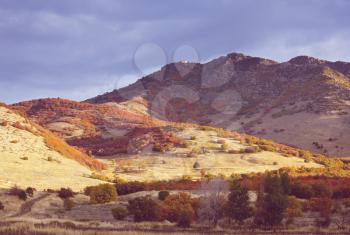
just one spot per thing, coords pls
(212, 203)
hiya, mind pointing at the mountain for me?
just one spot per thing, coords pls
(304, 102)
(32, 156)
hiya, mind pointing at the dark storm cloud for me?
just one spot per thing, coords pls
(80, 48)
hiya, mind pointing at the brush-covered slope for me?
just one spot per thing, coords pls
(101, 130)
(32, 156)
(304, 102)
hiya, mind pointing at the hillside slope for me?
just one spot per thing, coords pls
(101, 130)
(32, 156)
(304, 102)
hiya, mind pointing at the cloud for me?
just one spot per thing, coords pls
(77, 49)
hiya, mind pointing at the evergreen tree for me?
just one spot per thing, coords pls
(271, 205)
(237, 206)
(285, 181)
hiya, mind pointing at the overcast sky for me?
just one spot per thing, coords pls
(81, 48)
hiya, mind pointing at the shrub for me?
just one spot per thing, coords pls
(293, 210)
(196, 165)
(193, 137)
(119, 213)
(303, 191)
(102, 193)
(20, 193)
(68, 204)
(233, 151)
(2, 207)
(186, 216)
(24, 158)
(129, 187)
(252, 149)
(145, 209)
(346, 203)
(50, 159)
(306, 155)
(224, 146)
(269, 148)
(321, 190)
(179, 208)
(65, 193)
(162, 195)
(30, 191)
(341, 192)
(4, 123)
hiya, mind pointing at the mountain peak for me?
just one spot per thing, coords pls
(303, 59)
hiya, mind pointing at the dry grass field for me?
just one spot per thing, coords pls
(205, 148)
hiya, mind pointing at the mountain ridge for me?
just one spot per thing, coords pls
(236, 88)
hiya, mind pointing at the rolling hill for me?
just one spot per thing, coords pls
(32, 156)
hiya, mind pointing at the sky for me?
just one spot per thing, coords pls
(78, 49)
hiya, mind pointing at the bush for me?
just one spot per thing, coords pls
(24, 158)
(321, 190)
(102, 193)
(65, 193)
(252, 149)
(179, 208)
(119, 213)
(2, 207)
(186, 216)
(30, 191)
(268, 148)
(193, 137)
(225, 146)
(68, 204)
(303, 191)
(346, 203)
(130, 187)
(293, 210)
(50, 159)
(162, 195)
(196, 165)
(4, 123)
(341, 192)
(145, 209)
(20, 193)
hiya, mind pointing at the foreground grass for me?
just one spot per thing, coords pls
(68, 228)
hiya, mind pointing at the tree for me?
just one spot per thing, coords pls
(272, 205)
(237, 206)
(285, 182)
(213, 203)
(144, 209)
(179, 208)
(324, 207)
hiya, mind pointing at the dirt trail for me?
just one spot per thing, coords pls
(27, 206)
